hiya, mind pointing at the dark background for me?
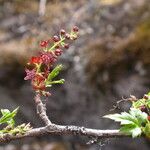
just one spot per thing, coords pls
(110, 59)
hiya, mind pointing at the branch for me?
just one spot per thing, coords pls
(51, 128)
(65, 130)
(41, 110)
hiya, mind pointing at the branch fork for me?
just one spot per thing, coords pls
(51, 128)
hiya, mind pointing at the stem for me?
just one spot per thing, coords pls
(56, 44)
(39, 67)
(41, 110)
(61, 81)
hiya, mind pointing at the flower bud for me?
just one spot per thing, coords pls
(67, 36)
(66, 46)
(55, 38)
(62, 32)
(43, 43)
(58, 52)
(143, 108)
(148, 117)
(75, 29)
(146, 96)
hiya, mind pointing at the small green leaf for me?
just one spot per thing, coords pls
(147, 130)
(119, 118)
(137, 104)
(148, 103)
(61, 81)
(7, 116)
(132, 123)
(131, 129)
(139, 115)
(148, 94)
(54, 72)
(5, 111)
(136, 132)
(123, 118)
(11, 122)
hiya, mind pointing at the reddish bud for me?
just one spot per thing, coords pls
(57, 46)
(75, 29)
(38, 82)
(58, 52)
(66, 46)
(146, 97)
(62, 32)
(43, 43)
(55, 38)
(67, 36)
(143, 108)
(148, 118)
(35, 60)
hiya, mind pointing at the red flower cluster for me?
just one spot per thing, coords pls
(41, 73)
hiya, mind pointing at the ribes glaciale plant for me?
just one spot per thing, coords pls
(41, 71)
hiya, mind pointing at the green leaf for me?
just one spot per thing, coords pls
(148, 103)
(131, 129)
(132, 122)
(148, 94)
(8, 116)
(139, 115)
(147, 130)
(54, 72)
(137, 104)
(49, 84)
(5, 111)
(123, 118)
(11, 122)
(136, 132)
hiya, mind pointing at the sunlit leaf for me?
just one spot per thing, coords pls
(54, 72)
(7, 116)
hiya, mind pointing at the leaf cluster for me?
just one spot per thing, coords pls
(136, 122)
(7, 123)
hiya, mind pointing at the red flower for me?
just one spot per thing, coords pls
(30, 74)
(38, 82)
(35, 60)
(47, 57)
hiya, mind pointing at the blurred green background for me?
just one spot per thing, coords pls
(110, 59)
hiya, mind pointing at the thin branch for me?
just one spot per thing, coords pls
(64, 130)
(51, 128)
(41, 110)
